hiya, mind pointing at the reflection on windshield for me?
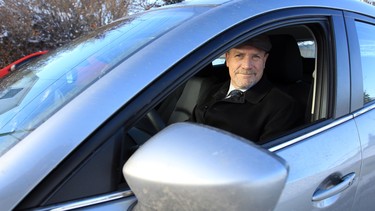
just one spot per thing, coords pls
(29, 96)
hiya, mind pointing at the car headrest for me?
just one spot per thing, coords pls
(206, 71)
(284, 63)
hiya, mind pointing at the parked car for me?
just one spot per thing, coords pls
(100, 124)
(20, 62)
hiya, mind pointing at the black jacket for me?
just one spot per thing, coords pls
(261, 113)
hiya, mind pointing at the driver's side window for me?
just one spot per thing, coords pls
(290, 67)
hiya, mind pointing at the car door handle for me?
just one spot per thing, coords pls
(346, 182)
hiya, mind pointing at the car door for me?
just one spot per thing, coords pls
(360, 31)
(324, 154)
(325, 157)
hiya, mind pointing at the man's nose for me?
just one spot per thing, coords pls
(247, 63)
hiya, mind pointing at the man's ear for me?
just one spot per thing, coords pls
(266, 57)
(226, 58)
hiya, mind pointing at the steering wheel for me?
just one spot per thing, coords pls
(155, 119)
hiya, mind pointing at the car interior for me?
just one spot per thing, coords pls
(290, 71)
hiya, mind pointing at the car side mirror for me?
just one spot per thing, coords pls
(198, 167)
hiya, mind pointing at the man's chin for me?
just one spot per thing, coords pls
(247, 85)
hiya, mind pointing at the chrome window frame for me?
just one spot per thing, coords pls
(311, 133)
(96, 200)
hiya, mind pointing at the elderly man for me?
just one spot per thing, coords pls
(248, 105)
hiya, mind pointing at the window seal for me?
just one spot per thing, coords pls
(91, 201)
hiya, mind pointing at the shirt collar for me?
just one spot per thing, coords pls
(231, 88)
(254, 94)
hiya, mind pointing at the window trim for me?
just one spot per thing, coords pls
(319, 128)
(334, 85)
(92, 201)
(356, 62)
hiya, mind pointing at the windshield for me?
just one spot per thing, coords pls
(31, 95)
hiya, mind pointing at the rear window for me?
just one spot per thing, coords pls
(367, 49)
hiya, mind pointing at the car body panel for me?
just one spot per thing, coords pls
(65, 130)
(321, 157)
(361, 42)
(366, 132)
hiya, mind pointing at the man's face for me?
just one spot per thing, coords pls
(246, 65)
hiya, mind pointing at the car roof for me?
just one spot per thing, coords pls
(348, 5)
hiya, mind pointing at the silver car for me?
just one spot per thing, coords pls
(101, 124)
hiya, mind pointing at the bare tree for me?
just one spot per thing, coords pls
(168, 2)
(372, 2)
(31, 25)
(13, 30)
(28, 26)
(148, 4)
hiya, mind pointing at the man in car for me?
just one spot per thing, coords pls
(248, 104)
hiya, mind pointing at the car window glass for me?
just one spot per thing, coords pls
(307, 48)
(367, 49)
(31, 95)
(220, 60)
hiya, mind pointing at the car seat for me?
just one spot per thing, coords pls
(194, 89)
(284, 67)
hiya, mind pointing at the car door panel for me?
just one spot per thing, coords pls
(320, 163)
(366, 192)
(360, 31)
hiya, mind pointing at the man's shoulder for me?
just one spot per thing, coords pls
(281, 96)
(219, 89)
(215, 91)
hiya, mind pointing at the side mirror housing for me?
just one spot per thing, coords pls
(198, 167)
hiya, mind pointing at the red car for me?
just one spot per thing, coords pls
(14, 65)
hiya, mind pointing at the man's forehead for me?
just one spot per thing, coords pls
(246, 48)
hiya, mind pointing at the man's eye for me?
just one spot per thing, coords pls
(256, 57)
